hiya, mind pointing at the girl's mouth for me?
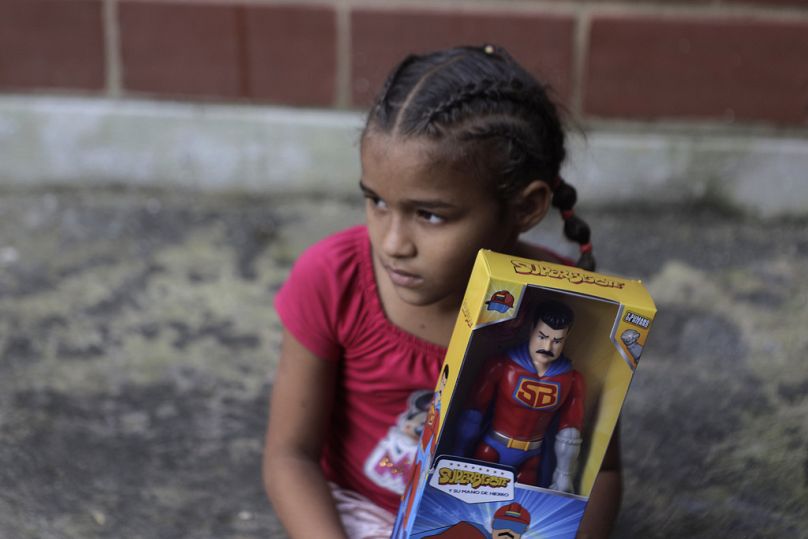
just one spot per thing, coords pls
(403, 278)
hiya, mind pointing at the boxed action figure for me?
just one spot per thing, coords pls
(536, 372)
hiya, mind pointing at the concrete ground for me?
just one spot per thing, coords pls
(138, 342)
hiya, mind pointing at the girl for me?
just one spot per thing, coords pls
(461, 151)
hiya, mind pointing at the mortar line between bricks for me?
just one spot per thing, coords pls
(580, 56)
(113, 69)
(342, 94)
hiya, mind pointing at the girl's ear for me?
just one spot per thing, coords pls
(532, 204)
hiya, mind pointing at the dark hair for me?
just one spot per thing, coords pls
(553, 313)
(487, 112)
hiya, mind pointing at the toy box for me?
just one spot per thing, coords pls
(529, 394)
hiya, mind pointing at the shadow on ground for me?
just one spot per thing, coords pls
(138, 342)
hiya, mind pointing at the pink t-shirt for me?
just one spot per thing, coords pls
(331, 305)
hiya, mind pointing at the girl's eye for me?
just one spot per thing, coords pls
(376, 202)
(431, 218)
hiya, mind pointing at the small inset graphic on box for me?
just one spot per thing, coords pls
(500, 301)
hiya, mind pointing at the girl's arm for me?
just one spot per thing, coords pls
(604, 500)
(302, 397)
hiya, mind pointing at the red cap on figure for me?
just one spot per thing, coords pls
(511, 517)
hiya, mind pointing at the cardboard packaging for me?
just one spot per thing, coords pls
(503, 435)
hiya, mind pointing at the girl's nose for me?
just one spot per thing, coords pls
(397, 242)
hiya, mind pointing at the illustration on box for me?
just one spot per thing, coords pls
(526, 416)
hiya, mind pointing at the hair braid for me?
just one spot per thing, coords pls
(564, 198)
(511, 138)
(383, 108)
(486, 89)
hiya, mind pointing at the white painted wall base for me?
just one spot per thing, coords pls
(83, 141)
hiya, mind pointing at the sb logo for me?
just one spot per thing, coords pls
(536, 394)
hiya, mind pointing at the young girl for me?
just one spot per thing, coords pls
(461, 151)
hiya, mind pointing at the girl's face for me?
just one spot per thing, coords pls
(427, 220)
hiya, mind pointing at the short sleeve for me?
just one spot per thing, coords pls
(307, 302)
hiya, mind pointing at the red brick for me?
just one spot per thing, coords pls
(381, 38)
(291, 54)
(51, 44)
(744, 70)
(652, 4)
(769, 3)
(182, 48)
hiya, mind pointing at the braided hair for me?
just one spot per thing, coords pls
(487, 111)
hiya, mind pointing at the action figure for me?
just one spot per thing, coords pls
(524, 392)
(510, 522)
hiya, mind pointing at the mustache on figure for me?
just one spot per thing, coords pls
(544, 353)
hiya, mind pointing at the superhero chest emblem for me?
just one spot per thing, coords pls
(537, 394)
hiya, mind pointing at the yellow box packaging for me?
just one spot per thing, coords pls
(534, 378)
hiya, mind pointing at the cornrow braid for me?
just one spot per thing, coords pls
(511, 139)
(488, 112)
(488, 91)
(383, 109)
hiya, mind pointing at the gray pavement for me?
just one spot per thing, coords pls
(138, 343)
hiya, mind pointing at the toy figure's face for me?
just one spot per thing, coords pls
(546, 344)
(505, 534)
(426, 220)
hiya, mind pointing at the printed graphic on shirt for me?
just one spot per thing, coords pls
(389, 465)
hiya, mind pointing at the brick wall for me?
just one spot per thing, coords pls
(707, 61)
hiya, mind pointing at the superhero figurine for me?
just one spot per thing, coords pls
(510, 522)
(523, 393)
